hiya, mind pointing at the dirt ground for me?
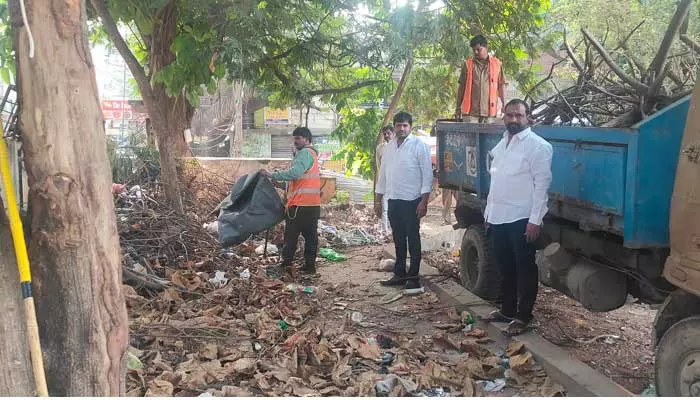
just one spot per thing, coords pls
(418, 319)
(616, 343)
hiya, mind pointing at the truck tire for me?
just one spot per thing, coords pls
(678, 360)
(479, 274)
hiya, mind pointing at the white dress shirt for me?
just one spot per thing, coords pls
(406, 172)
(521, 173)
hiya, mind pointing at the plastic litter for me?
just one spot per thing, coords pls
(271, 249)
(330, 254)
(492, 386)
(505, 362)
(384, 387)
(384, 342)
(212, 227)
(433, 392)
(354, 237)
(219, 280)
(294, 288)
(356, 317)
(283, 325)
(649, 391)
(385, 362)
(245, 274)
(387, 265)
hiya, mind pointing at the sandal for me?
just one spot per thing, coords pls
(516, 327)
(496, 316)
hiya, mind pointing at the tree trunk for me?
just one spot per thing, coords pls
(171, 120)
(236, 130)
(74, 248)
(169, 129)
(15, 368)
(169, 116)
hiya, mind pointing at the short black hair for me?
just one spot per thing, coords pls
(478, 40)
(303, 132)
(515, 102)
(403, 116)
(389, 128)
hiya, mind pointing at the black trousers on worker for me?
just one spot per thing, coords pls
(301, 220)
(519, 275)
(405, 227)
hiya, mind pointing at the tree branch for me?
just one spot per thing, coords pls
(345, 89)
(657, 65)
(135, 67)
(690, 43)
(570, 52)
(639, 86)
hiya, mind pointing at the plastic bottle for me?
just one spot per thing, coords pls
(294, 288)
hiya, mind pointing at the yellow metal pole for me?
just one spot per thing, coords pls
(25, 276)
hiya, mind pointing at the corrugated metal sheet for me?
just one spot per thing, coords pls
(281, 146)
(358, 188)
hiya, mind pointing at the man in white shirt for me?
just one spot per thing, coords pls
(388, 134)
(406, 180)
(517, 202)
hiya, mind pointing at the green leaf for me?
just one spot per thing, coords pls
(5, 75)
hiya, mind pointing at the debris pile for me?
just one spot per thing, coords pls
(212, 322)
(614, 88)
(257, 336)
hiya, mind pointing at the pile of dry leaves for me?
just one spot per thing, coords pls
(259, 336)
(219, 325)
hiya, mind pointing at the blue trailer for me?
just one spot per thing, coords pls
(607, 231)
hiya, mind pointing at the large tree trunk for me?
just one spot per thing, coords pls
(170, 114)
(74, 248)
(15, 372)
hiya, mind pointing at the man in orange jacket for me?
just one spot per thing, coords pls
(303, 201)
(481, 84)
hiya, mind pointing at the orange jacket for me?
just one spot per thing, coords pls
(306, 191)
(494, 73)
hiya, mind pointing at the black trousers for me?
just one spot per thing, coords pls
(301, 220)
(405, 227)
(519, 275)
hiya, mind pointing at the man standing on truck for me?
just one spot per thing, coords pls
(406, 180)
(387, 134)
(481, 84)
(517, 202)
(303, 201)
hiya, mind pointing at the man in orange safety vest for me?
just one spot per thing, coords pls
(303, 201)
(481, 85)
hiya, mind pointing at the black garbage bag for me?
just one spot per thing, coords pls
(252, 206)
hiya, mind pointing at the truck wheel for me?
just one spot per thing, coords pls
(479, 274)
(678, 360)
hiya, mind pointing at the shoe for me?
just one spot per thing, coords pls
(276, 271)
(413, 286)
(309, 273)
(394, 281)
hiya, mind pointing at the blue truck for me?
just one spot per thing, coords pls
(606, 235)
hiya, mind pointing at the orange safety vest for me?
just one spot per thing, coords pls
(494, 73)
(306, 191)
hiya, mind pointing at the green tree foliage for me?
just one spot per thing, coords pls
(7, 54)
(436, 37)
